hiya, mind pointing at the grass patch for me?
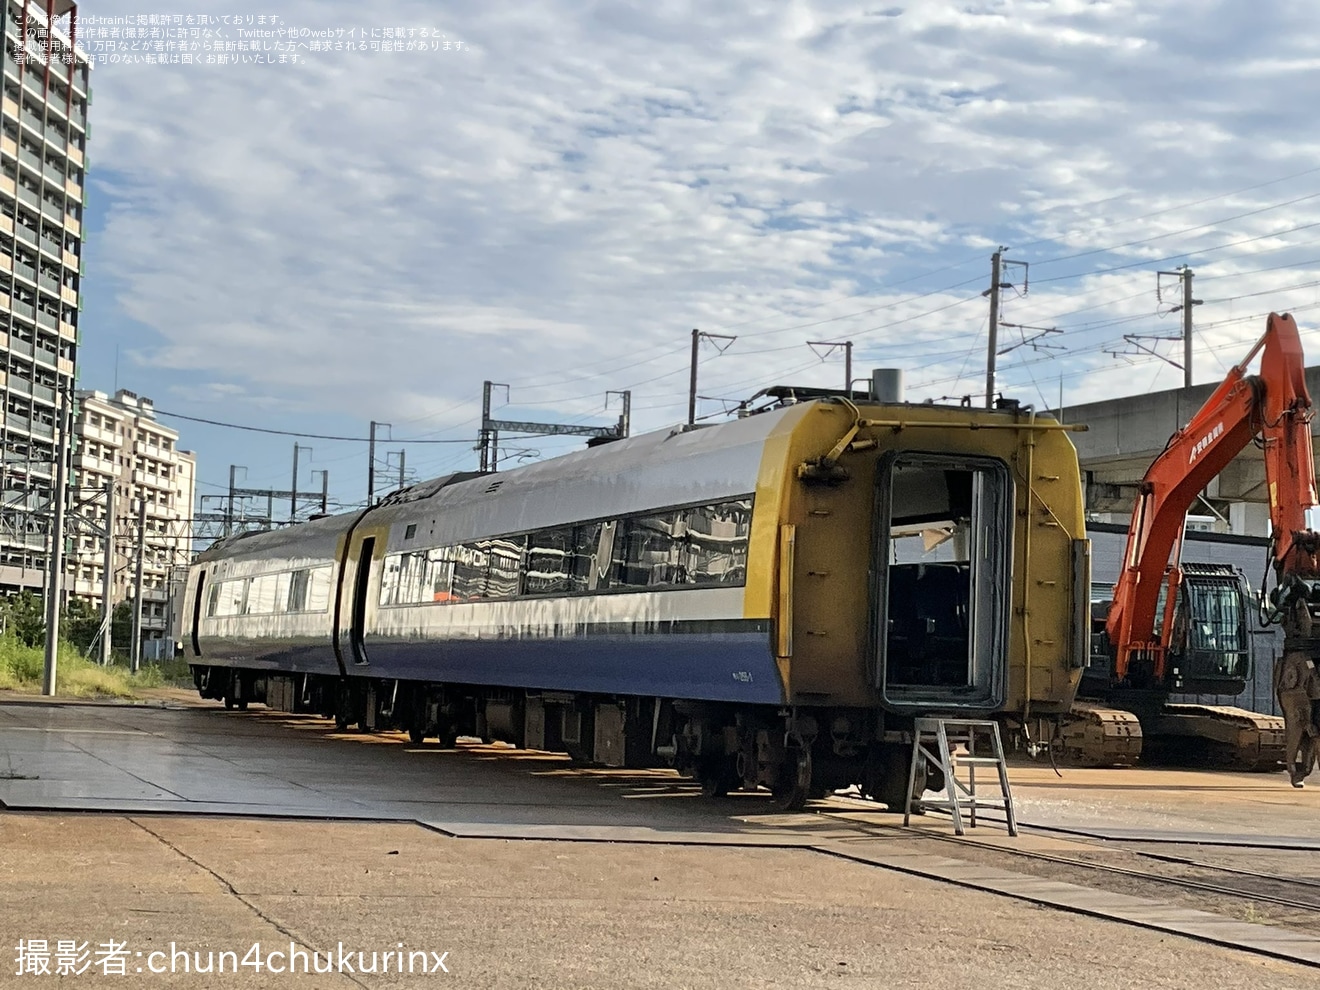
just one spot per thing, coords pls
(22, 667)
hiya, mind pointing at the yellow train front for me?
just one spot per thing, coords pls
(763, 603)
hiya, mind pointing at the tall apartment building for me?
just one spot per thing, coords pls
(43, 134)
(119, 441)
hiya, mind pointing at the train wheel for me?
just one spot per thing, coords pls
(717, 776)
(417, 734)
(230, 702)
(892, 790)
(793, 789)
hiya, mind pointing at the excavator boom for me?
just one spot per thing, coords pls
(1273, 407)
(1152, 653)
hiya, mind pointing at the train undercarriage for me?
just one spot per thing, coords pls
(796, 754)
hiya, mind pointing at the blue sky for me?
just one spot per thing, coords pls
(370, 235)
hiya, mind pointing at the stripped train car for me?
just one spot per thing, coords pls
(767, 602)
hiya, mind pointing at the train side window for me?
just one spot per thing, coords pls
(505, 556)
(580, 566)
(715, 551)
(230, 596)
(471, 561)
(550, 559)
(318, 589)
(647, 554)
(297, 596)
(261, 596)
(282, 582)
(213, 599)
(602, 560)
(390, 574)
(440, 576)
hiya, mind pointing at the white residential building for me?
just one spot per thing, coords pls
(120, 441)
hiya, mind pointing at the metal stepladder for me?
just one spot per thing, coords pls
(945, 734)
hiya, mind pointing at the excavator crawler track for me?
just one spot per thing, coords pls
(1095, 736)
(1220, 736)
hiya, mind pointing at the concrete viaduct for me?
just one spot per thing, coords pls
(1125, 435)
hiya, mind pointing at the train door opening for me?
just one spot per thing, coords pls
(197, 614)
(943, 590)
(361, 583)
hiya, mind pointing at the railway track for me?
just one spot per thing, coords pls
(1213, 884)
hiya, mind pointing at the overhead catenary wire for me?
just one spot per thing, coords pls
(296, 433)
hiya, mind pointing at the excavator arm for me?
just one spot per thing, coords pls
(1272, 408)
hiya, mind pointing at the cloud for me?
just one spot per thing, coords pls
(373, 234)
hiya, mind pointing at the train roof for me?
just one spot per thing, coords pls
(674, 466)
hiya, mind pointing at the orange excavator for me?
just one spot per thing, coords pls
(1180, 628)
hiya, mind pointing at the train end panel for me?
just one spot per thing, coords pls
(938, 560)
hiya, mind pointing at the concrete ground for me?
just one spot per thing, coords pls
(741, 909)
(552, 914)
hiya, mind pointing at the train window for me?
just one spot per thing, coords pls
(550, 560)
(229, 597)
(716, 548)
(582, 560)
(602, 560)
(296, 600)
(318, 589)
(471, 562)
(261, 596)
(417, 577)
(504, 578)
(646, 551)
(560, 561)
(213, 601)
(702, 545)
(440, 575)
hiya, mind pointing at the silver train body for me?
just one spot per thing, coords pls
(724, 600)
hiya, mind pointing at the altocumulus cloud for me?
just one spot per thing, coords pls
(557, 206)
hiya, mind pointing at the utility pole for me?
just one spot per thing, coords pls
(625, 417)
(692, 378)
(293, 488)
(54, 584)
(697, 336)
(402, 455)
(229, 510)
(489, 435)
(1188, 303)
(325, 489)
(485, 433)
(108, 573)
(1184, 274)
(136, 647)
(829, 346)
(996, 266)
(997, 284)
(371, 465)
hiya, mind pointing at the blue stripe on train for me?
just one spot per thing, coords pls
(734, 667)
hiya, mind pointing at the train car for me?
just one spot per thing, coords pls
(767, 602)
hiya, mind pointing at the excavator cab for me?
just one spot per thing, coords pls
(1211, 651)
(1210, 646)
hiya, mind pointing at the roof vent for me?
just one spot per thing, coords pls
(494, 486)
